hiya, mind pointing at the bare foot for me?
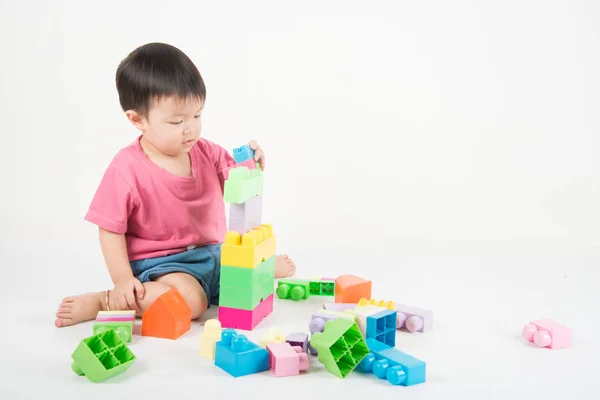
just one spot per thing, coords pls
(284, 267)
(76, 309)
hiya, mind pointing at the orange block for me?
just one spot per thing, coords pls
(351, 288)
(168, 317)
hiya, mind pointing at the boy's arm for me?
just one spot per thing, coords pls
(114, 250)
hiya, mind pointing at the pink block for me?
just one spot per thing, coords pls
(547, 333)
(115, 319)
(287, 360)
(245, 319)
(251, 164)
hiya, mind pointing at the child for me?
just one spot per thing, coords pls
(159, 206)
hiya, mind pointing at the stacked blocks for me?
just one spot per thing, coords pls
(243, 217)
(238, 356)
(122, 322)
(341, 347)
(287, 360)
(250, 249)
(168, 317)
(101, 356)
(209, 338)
(243, 184)
(389, 363)
(547, 333)
(351, 288)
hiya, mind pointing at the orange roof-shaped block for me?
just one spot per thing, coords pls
(168, 317)
(351, 288)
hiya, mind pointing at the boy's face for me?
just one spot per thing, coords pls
(172, 126)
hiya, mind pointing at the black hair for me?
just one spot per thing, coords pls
(157, 70)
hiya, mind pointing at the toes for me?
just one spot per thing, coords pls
(60, 322)
(67, 300)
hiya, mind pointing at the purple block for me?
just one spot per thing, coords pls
(246, 216)
(339, 307)
(299, 339)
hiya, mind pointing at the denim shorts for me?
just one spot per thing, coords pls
(203, 263)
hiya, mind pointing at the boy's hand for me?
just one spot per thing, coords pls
(123, 296)
(259, 154)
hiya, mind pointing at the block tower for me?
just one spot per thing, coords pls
(248, 253)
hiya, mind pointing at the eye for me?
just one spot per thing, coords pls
(197, 116)
(176, 123)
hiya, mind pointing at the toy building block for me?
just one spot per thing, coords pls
(245, 288)
(243, 184)
(245, 319)
(341, 347)
(122, 322)
(547, 333)
(339, 307)
(250, 164)
(351, 288)
(209, 338)
(322, 287)
(382, 327)
(320, 318)
(101, 356)
(389, 363)
(299, 339)
(271, 337)
(312, 350)
(168, 317)
(287, 360)
(238, 356)
(246, 216)
(390, 305)
(243, 153)
(250, 249)
(293, 289)
(413, 319)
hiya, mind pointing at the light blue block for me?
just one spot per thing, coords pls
(238, 356)
(382, 327)
(389, 363)
(242, 153)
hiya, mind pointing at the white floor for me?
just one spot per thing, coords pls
(475, 351)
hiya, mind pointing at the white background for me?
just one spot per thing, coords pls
(445, 150)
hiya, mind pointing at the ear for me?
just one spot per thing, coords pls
(136, 119)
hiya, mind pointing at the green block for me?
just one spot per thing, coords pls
(243, 184)
(102, 356)
(124, 329)
(245, 288)
(322, 288)
(293, 289)
(341, 346)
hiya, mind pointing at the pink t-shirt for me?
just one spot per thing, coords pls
(161, 213)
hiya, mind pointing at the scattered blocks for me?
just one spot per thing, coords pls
(250, 249)
(351, 288)
(209, 338)
(414, 319)
(168, 317)
(320, 318)
(322, 287)
(243, 184)
(272, 336)
(246, 216)
(299, 339)
(122, 322)
(339, 307)
(389, 363)
(293, 289)
(101, 356)
(287, 360)
(245, 319)
(245, 288)
(390, 305)
(238, 356)
(243, 153)
(547, 333)
(341, 347)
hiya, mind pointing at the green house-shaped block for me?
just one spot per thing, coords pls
(243, 184)
(102, 356)
(245, 288)
(341, 346)
(322, 288)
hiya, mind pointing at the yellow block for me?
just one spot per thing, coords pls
(209, 338)
(249, 250)
(272, 336)
(390, 305)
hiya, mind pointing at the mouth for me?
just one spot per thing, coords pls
(188, 142)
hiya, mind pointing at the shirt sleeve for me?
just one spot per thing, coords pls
(221, 157)
(113, 202)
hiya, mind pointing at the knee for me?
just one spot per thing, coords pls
(197, 302)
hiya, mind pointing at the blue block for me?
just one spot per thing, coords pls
(238, 356)
(242, 153)
(389, 363)
(382, 327)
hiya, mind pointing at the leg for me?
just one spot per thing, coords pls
(190, 289)
(284, 267)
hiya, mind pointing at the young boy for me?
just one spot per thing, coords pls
(159, 206)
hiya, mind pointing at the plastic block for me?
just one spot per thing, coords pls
(382, 327)
(124, 329)
(209, 338)
(390, 305)
(247, 215)
(341, 347)
(320, 318)
(271, 337)
(362, 313)
(547, 333)
(250, 249)
(245, 288)
(243, 184)
(322, 288)
(243, 153)
(101, 356)
(245, 319)
(238, 356)
(299, 339)
(293, 289)
(351, 288)
(389, 363)
(287, 360)
(413, 319)
(339, 307)
(250, 164)
(168, 317)
(312, 350)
